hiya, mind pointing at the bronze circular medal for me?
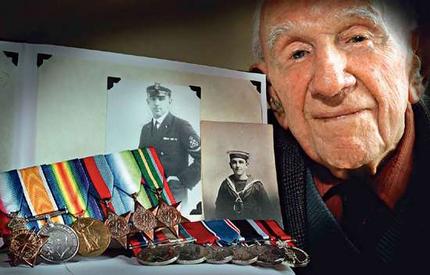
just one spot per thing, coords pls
(94, 236)
(191, 254)
(243, 255)
(270, 255)
(218, 255)
(161, 255)
(144, 219)
(296, 257)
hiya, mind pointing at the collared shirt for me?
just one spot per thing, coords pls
(159, 120)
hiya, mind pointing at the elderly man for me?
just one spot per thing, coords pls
(344, 85)
(175, 141)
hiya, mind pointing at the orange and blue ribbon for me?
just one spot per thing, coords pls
(12, 201)
(37, 193)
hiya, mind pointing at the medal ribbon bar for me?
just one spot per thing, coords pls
(37, 194)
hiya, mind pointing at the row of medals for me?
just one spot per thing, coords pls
(58, 243)
(265, 255)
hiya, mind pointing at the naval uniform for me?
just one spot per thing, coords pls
(175, 140)
(242, 199)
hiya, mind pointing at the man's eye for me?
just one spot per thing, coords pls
(298, 54)
(357, 38)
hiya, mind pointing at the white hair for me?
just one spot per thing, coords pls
(393, 12)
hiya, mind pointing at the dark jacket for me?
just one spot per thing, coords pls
(401, 235)
(175, 140)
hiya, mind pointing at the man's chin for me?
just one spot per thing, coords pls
(342, 165)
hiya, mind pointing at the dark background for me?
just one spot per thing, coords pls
(210, 32)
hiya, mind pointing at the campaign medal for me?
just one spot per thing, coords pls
(16, 224)
(269, 255)
(24, 247)
(62, 245)
(218, 255)
(160, 255)
(243, 255)
(144, 220)
(169, 215)
(118, 227)
(191, 254)
(94, 236)
(296, 257)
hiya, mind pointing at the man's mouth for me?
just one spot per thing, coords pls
(340, 114)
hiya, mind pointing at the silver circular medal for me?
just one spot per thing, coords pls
(269, 255)
(62, 244)
(219, 255)
(295, 257)
(243, 255)
(191, 254)
(160, 255)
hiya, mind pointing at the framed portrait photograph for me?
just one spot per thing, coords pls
(148, 113)
(238, 171)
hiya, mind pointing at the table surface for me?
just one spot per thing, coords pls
(120, 264)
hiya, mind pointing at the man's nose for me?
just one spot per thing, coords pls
(330, 78)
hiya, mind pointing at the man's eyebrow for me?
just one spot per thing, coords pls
(276, 32)
(366, 13)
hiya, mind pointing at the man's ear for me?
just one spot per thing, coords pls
(259, 67)
(416, 85)
(273, 98)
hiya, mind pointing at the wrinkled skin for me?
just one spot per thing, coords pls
(342, 78)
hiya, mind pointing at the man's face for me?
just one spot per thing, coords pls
(159, 104)
(239, 166)
(342, 77)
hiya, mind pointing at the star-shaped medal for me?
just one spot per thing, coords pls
(16, 224)
(118, 227)
(25, 246)
(169, 216)
(144, 220)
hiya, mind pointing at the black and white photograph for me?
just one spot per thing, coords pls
(167, 117)
(238, 174)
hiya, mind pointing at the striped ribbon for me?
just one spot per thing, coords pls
(102, 184)
(37, 193)
(272, 237)
(10, 192)
(274, 230)
(136, 242)
(184, 234)
(127, 178)
(264, 235)
(69, 185)
(247, 231)
(153, 176)
(224, 230)
(200, 232)
(164, 235)
(12, 200)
